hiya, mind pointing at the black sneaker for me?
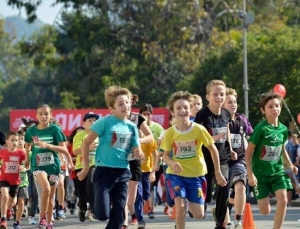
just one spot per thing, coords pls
(151, 215)
(81, 215)
(190, 214)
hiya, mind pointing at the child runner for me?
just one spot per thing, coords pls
(185, 174)
(84, 185)
(149, 167)
(12, 158)
(239, 127)
(22, 195)
(266, 159)
(119, 138)
(45, 140)
(216, 120)
(197, 105)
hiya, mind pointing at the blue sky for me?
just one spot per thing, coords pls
(45, 12)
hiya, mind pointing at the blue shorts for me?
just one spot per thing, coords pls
(191, 188)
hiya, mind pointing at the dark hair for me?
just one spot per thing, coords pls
(134, 99)
(21, 132)
(73, 133)
(2, 138)
(265, 97)
(146, 107)
(28, 123)
(43, 105)
(11, 133)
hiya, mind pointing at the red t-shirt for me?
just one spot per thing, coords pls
(11, 162)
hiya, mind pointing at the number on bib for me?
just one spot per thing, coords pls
(185, 150)
(271, 153)
(11, 167)
(43, 159)
(236, 140)
(121, 141)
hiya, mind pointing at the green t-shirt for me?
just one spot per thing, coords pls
(156, 129)
(45, 159)
(267, 155)
(24, 179)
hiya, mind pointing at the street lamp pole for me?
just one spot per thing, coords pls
(245, 61)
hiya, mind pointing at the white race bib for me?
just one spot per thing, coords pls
(43, 159)
(91, 157)
(11, 167)
(272, 153)
(217, 130)
(185, 150)
(121, 141)
(236, 141)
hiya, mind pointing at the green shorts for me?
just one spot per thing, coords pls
(270, 184)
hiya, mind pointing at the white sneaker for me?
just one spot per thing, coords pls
(238, 225)
(31, 220)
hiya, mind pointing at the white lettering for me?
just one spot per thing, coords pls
(62, 120)
(74, 122)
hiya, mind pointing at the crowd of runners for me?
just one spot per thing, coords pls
(108, 168)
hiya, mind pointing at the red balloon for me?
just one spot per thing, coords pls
(298, 118)
(280, 89)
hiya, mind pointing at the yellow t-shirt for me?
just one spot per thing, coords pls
(187, 149)
(77, 141)
(147, 162)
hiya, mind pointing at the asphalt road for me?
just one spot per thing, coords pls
(162, 221)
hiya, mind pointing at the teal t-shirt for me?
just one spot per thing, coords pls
(267, 155)
(116, 139)
(45, 159)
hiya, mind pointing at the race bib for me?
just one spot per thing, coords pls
(271, 153)
(236, 141)
(43, 159)
(11, 167)
(217, 130)
(185, 150)
(121, 141)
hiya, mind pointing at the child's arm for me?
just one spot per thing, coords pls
(147, 132)
(155, 161)
(27, 150)
(215, 157)
(249, 153)
(233, 154)
(90, 138)
(176, 167)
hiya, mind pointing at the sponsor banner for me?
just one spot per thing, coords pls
(70, 119)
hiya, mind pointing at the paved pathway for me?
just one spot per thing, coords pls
(161, 221)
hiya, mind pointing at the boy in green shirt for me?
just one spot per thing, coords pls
(266, 158)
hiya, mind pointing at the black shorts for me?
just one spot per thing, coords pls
(237, 172)
(13, 189)
(136, 170)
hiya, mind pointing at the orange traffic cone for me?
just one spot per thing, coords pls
(248, 222)
(173, 215)
(146, 207)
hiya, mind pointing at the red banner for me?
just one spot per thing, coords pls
(70, 119)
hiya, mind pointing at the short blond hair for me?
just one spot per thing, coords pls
(231, 91)
(214, 83)
(112, 92)
(180, 95)
(195, 96)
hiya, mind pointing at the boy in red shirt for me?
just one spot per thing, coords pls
(10, 177)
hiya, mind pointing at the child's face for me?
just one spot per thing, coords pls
(197, 105)
(147, 114)
(231, 104)
(122, 107)
(12, 142)
(272, 109)
(44, 115)
(182, 110)
(216, 97)
(21, 142)
(88, 123)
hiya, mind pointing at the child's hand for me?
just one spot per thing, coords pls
(295, 170)
(152, 177)
(42, 145)
(233, 155)
(177, 168)
(83, 173)
(22, 168)
(26, 163)
(252, 181)
(220, 179)
(138, 153)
